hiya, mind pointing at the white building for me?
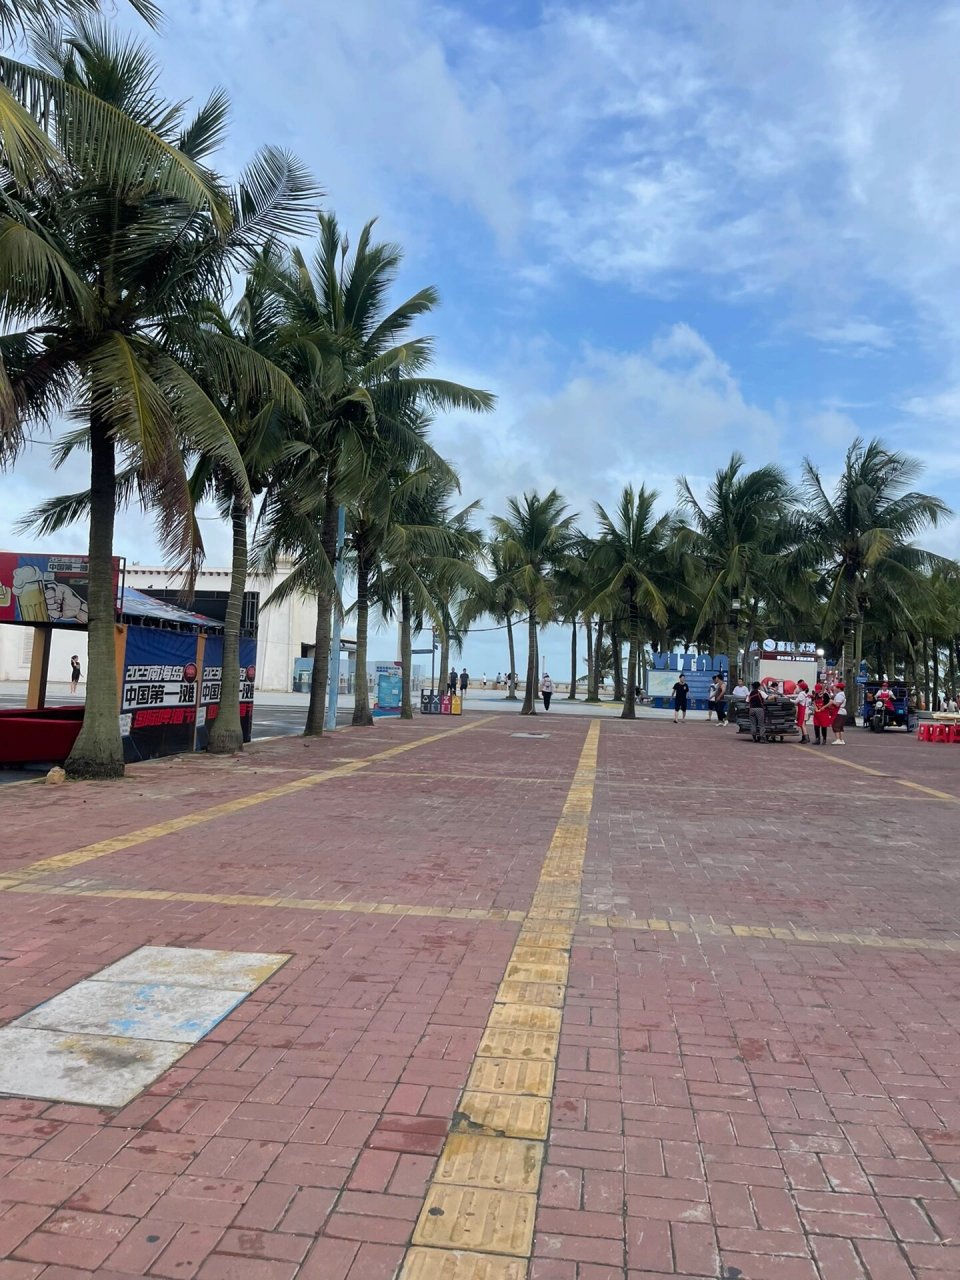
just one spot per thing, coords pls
(286, 631)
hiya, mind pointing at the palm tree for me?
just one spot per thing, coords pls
(428, 559)
(40, 107)
(736, 538)
(574, 589)
(262, 428)
(630, 561)
(497, 597)
(864, 533)
(535, 537)
(364, 380)
(107, 281)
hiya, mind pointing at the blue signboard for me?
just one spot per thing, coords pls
(664, 670)
(389, 693)
(210, 686)
(158, 700)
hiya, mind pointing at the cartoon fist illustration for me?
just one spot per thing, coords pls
(43, 599)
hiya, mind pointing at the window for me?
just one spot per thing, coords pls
(26, 646)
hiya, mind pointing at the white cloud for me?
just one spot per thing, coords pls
(942, 406)
(857, 333)
(643, 415)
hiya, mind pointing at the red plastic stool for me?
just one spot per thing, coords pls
(954, 733)
(942, 732)
(924, 732)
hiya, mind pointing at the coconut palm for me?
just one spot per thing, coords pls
(105, 282)
(574, 589)
(734, 541)
(427, 561)
(631, 565)
(864, 532)
(40, 108)
(535, 537)
(364, 380)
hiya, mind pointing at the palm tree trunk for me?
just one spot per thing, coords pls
(529, 693)
(629, 711)
(597, 646)
(406, 658)
(98, 750)
(616, 649)
(851, 666)
(572, 695)
(226, 732)
(588, 625)
(361, 692)
(316, 710)
(511, 682)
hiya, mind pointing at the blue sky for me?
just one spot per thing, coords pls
(661, 230)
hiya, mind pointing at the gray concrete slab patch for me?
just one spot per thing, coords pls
(142, 1010)
(104, 1071)
(194, 967)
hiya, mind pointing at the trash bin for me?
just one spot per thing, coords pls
(425, 702)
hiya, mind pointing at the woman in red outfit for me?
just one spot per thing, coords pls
(822, 714)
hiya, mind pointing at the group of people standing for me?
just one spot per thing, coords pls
(825, 706)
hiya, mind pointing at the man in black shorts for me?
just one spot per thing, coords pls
(680, 691)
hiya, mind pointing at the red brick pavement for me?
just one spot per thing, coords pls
(733, 1106)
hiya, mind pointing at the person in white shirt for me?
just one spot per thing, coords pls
(801, 696)
(546, 691)
(839, 701)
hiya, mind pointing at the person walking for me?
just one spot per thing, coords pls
(720, 699)
(464, 683)
(546, 691)
(757, 704)
(839, 703)
(680, 691)
(452, 682)
(802, 698)
(496, 683)
(75, 673)
(712, 699)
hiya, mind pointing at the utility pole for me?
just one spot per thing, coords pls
(333, 693)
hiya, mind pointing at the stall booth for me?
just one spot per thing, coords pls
(169, 665)
(781, 660)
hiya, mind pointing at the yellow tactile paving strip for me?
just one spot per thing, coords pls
(529, 1005)
(877, 773)
(478, 1217)
(63, 861)
(82, 889)
(779, 933)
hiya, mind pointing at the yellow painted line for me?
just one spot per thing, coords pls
(102, 848)
(780, 933)
(478, 1216)
(252, 900)
(887, 777)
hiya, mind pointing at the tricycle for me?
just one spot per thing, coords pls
(894, 712)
